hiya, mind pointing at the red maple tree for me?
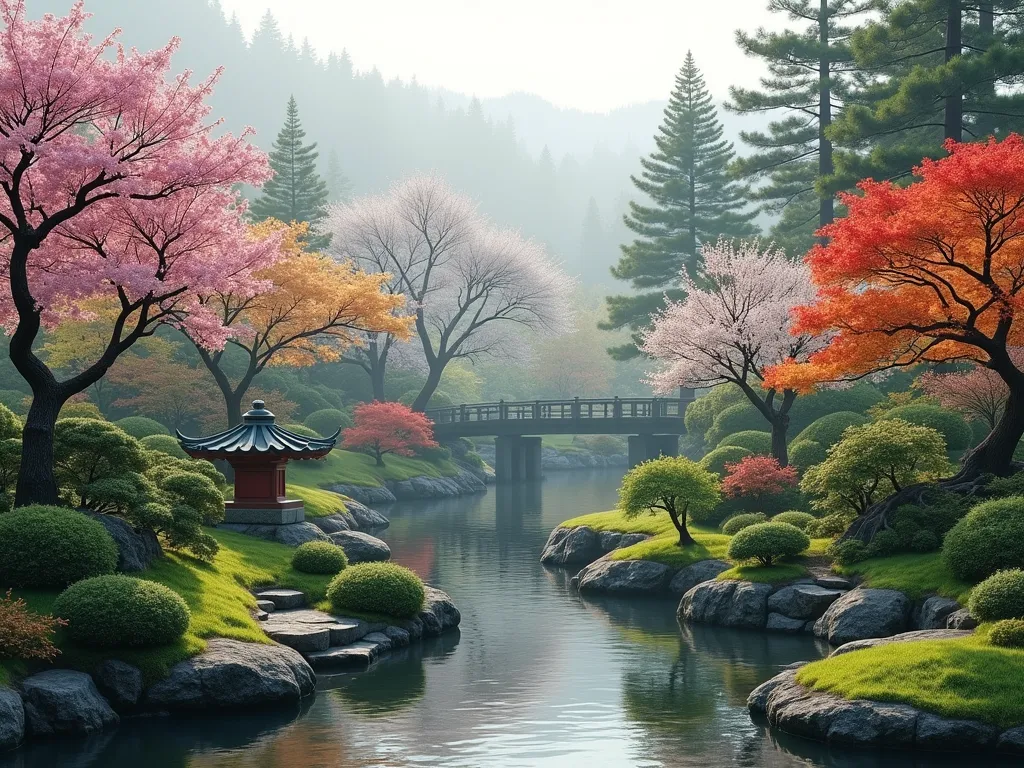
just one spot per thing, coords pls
(757, 477)
(382, 428)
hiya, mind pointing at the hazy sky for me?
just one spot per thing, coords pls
(590, 54)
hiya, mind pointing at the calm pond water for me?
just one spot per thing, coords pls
(537, 676)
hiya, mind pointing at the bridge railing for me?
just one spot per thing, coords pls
(577, 408)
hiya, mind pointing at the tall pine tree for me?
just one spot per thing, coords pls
(690, 201)
(296, 193)
(808, 69)
(338, 185)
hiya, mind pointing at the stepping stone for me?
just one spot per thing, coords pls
(262, 615)
(303, 616)
(266, 605)
(304, 638)
(283, 598)
(383, 641)
(358, 655)
(346, 631)
(833, 582)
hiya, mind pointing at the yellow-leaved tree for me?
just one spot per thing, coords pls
(312, 310)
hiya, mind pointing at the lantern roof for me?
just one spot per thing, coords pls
(257, 434)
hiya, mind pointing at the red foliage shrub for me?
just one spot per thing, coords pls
(757, 477)
(24, 634)
(382, 428)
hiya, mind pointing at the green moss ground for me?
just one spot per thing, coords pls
(217, 595)
(318, 502)
(956, 678)
(772, 574)
(348, 468)
(915, 575)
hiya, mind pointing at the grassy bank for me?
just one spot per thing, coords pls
(915, 575)
(348, 468)
(217, 596)
(956, 678)
(318, 502)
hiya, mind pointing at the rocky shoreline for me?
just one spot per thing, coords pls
(466, 482)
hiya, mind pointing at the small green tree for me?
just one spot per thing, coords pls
(873, 461)
(671, 484)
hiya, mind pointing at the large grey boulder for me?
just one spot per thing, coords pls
(692, 575)
(802, 601)
(361, 547)
(940, 734)
(864, 613)
(609, 540)
(625, 577)
(231, 674)
(12, 719)
(291, 534)
(903, 637)
(933, 612)
(727, 604)
(135, 549)
(629, 539)
(366, 519)
(120, 682)
(961, 619)
(61, 702)
(439, 614)
(365, 494)
(779, 623)
(572, 546)
(1011, 741)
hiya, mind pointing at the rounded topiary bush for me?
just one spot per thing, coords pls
(988, 539)
(767, 542)
(327, 421)
(925, 541)
(885, 543)
(43, 546)
(847, 552)
(81, 409)
(383, 588)
(122, 612)
(952, 426)
(828, 430)
(319, 557)
(795, 517)
(736, 418)
(755, 441)
(164, 444)
(804, 454)
(830, 526)
(140, 426)
(302, 429)
(737, 523)
(1008, 633)
(716, 460)
(1000, 596)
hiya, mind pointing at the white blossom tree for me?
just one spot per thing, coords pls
(470, 283)
(733, 324)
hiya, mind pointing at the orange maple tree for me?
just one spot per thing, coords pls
(382, 428)
(930, 272)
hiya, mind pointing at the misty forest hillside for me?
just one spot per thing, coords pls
(532, 165)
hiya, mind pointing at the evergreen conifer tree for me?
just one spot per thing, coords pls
(808, 69)
(338, 185)
(296, 193)
(595, 255)
(691, 201)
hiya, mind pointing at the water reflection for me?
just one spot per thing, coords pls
(539, 676)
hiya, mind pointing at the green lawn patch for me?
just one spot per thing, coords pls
(217, 596)
(349, 468)
(771, 574)
(318, 502)
(915, 575)
(956, 678)
(616, 521)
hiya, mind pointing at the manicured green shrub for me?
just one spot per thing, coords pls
(164, 444)
(716, 460)
(794, 517)
(434, 453)
(736, 418)
(804, 454)
(940, 512)
(737, 523)
(10, 424)
(672, 485)
(809, 408)
(1000, 596)
(81, 409)
(828, 430)
(700, 414)
(952, 426)
(122, 612)
(925, 541)
(989, 539)
(847, 552)
(302, 429)
(768, 542)
(885, 543)
(327, 421)
(382, 588)
(1008, 633)
(140, 426)
(16, 400)
(755, 441)
(319, 557)
(830, 526)
(604, 445)
(43, 546)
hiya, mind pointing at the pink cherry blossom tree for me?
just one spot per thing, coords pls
(474, 287)
(978, 393)
(112, 185)
(732, 325)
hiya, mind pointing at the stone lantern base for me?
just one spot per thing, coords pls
(253, 513)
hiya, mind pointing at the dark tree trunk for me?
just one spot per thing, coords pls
(826, 206)
(679, 521)
(994, 455)
(430, 385)
(954, 107)
(377, 381)
(380, 458)
(780, 425)
(36, 481)
(233, 401)
(986, 34)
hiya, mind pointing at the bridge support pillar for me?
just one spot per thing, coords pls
(517, 458)
(646, 447)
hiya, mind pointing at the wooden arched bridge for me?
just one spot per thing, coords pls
(654, 425)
